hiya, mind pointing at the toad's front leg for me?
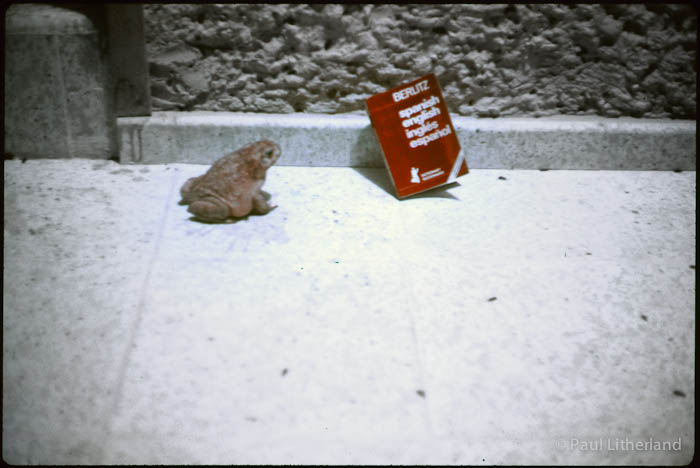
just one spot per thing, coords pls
(260, 205)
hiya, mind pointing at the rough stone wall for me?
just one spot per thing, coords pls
(610, 60)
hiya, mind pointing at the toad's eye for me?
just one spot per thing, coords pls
(268, 152)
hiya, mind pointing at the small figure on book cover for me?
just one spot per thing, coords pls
(414, 175)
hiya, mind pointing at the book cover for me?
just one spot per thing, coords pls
(420, 146)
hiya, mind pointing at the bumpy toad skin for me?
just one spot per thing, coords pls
(231, 188)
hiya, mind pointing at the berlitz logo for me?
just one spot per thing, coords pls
(414, 176)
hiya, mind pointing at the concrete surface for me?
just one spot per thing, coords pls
(564, 142)
(492, 60)
(57, 94)
(515, 317)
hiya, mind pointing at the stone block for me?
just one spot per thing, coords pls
(57, 98)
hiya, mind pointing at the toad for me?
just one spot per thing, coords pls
(231, 188)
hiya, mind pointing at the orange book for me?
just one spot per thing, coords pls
(419, 143)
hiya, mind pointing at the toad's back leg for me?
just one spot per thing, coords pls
(209, 210)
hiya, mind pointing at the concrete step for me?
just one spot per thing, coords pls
(565, 142)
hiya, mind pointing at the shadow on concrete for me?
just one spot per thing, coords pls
(437, 192)
(195, 219)
(378, 176)
(367, 160)
(366, 152)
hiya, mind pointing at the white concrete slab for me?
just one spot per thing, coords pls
(347, 326)
(78, 239)
(561, 286)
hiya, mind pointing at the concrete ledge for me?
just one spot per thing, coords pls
(349, 140)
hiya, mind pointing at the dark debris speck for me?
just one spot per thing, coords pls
(692, 267)
(643, 317)
(491, 299)
(420, 393)
(284, 371)
(679, 393)
(501, 178)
